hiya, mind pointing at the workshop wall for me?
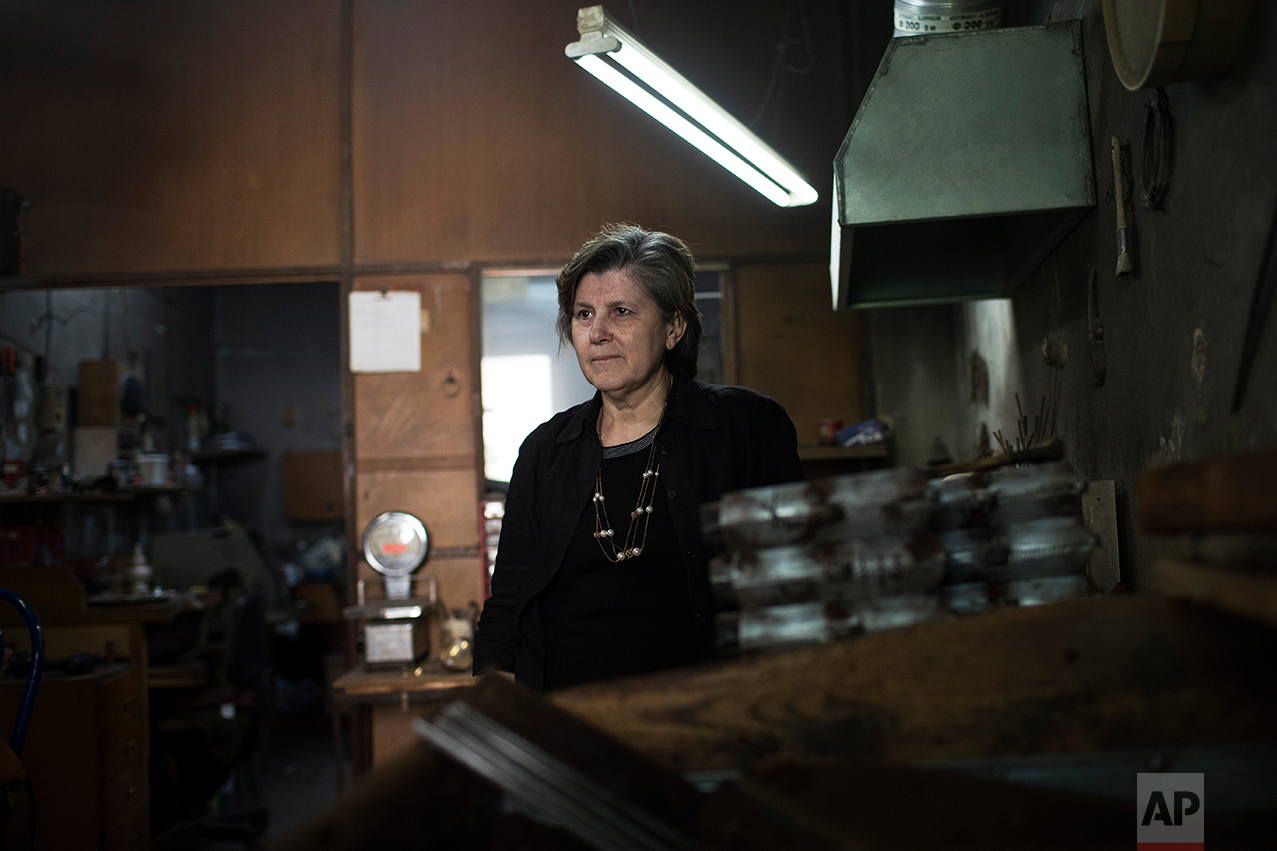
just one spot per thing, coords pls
(1173, 331)
(157, 141)
(206, 144)
(151, 137)
(474, 137)
(170, 329)
(916, 382)
(278, 370)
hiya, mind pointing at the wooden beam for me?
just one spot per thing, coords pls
(1087, 675)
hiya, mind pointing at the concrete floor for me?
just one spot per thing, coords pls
(296, 780)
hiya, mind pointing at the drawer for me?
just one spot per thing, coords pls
(124, 793)
(124, 742)
(123, 696)
(131, 834)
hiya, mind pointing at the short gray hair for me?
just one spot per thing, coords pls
(661, 264)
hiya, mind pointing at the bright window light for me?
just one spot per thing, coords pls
(654, 87)
(516, 399)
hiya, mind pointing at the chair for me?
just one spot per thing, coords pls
(196, 748)
(11, 770)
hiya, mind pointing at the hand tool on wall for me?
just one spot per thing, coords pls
(1095, 330)
(1119, 197)
(1260, 306)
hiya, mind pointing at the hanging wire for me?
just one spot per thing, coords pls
(634, 19)
(1155, 175)
(781, 64)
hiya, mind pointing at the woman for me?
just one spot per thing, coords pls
(600, 571)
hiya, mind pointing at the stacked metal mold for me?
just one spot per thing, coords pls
(820, 560)
(1013, 537)
(814, 561)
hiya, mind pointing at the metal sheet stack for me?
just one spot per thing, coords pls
(820, 560)
(1012, 537)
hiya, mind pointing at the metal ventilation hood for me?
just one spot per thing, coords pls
(968, 161)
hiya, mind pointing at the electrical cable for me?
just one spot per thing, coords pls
(634, 19)
(780, 65)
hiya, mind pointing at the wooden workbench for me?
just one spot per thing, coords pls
(383, 704)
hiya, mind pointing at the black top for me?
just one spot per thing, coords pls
(603, 619)
(714, 440)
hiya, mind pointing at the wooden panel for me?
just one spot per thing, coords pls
(124, 741)
(1249, 591)
(431, 412)
(474, 137)
(151, 137)
(98, 403)
(1226, 493)
(131, 834)
(392, 732)
(792, 347)
(124, 794)
(459, 580)
(63, 758)
(63, 641)
(312, 485)
(1110, 673)
(447, 503)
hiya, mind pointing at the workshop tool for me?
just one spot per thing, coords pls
(1260, 306)
(1095, 330)
(555, 767)
(1119, 197)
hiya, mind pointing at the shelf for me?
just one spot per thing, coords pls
(226, 454)
(126, 495)
(810, 452)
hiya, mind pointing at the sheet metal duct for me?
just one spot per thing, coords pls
(968, 161)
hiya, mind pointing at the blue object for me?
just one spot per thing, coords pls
(19, 736)
(862, 434)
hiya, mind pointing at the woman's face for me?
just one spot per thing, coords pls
(618, 334)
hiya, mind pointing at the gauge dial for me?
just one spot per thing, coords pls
(396, 543)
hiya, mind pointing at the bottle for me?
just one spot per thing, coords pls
(457, 652)
(139, 572)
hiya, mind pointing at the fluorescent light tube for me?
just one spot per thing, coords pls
(606, 47)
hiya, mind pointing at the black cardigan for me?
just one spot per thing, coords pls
(715, 439)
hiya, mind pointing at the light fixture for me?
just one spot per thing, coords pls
(613, 55)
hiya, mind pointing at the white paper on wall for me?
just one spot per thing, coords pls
(385, 332)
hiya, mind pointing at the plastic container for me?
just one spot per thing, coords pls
(152, 469)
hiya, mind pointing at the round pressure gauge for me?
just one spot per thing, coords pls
(395, 544)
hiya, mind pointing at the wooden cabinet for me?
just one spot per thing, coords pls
(86, 752)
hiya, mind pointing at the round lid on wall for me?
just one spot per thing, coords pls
(396, 543)
(1155, 42)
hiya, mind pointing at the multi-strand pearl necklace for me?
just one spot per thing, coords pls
(603, 531)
